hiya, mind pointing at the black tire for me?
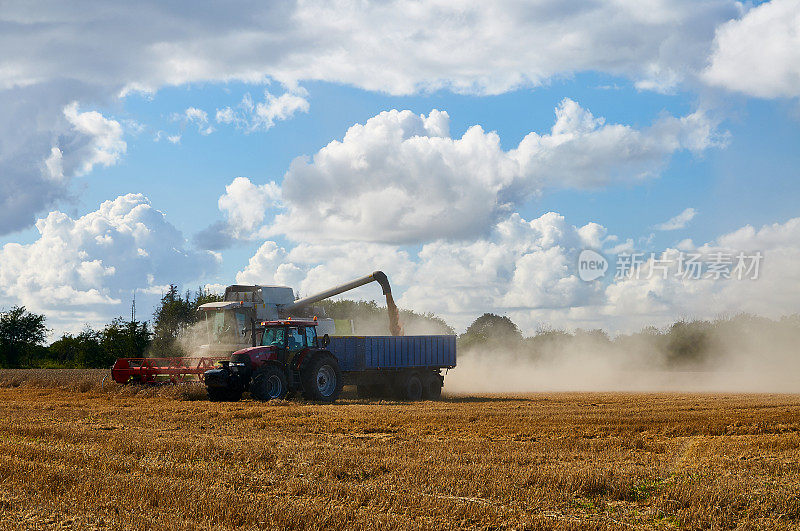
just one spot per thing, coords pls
(234, 395)
(217, 394)
(432, 386)
(409, 387)
(222, 394)
(269, 383)
(321, 378)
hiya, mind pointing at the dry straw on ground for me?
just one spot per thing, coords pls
(75, 455)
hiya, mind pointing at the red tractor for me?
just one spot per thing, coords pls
(290, 359)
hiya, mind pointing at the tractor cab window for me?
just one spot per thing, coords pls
(311, 336)
(296, 338)
(274, 337)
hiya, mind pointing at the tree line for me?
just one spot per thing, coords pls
(686, 343)
(23, 335)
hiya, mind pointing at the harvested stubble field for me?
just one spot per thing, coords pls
(75, 455)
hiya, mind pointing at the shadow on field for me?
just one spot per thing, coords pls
(458, 399)
(98, 382)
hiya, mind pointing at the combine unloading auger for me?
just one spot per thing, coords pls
(377, 276)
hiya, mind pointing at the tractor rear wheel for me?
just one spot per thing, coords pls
(269, 383)
(432, 386)
(321, 378)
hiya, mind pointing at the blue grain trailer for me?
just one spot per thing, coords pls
(407, 367)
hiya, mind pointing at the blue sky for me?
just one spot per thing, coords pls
(673, 124)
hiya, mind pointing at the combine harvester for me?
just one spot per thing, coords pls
(275, 354)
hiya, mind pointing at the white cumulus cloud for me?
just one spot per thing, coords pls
(245, 205)
(89, 265)
(197, 117)
(105, 144)
(759, 54)
(261, 116)
(400, 177)
(44, 143)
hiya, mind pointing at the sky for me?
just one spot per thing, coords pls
(472, 151)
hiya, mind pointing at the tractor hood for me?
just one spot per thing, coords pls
(258, 354)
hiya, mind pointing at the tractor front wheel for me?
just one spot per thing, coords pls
(269, 383)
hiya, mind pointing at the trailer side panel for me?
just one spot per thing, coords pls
(359, 353)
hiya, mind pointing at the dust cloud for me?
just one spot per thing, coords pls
(195, 341)
(738, 355)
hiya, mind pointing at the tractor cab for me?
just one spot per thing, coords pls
(290, 357)
(291, 336)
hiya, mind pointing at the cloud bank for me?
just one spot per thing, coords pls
(528, 271)
(81, 268)
(401, 178)
(62, 54)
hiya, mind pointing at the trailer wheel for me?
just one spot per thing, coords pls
(410, 387)
(432, 386)
(269, 383)
(321, 378)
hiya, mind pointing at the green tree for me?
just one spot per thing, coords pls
(490, 326)
(203, 296)
(171, 317)
(21, 332)
(76, 351)
(689, 342)
(121, 339)
(174, 314)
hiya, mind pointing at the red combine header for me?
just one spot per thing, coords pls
(162, 370)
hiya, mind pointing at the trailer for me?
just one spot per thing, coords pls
(407, 367)
(292, 359)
